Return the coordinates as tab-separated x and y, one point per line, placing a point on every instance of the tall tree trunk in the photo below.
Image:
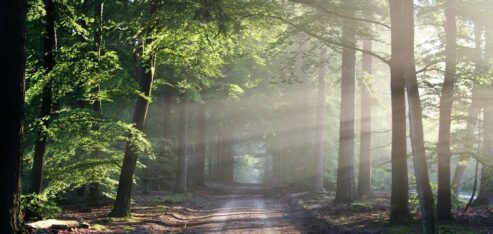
485	195
318	185
399	201
364	176
345	171
167	111
201	144
444	200
49	45
121	207
12	65
145	73
405	11
95	192
181	166
472	117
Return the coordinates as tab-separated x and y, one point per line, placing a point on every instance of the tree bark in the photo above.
427	206
121	207
145	72
12	66
318	185
485	195
472	117
95	192
364	176
49	45
444	200
399	201
201	144
345	192
181	166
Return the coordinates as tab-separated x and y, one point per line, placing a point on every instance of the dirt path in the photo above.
233	212
243	214
216	209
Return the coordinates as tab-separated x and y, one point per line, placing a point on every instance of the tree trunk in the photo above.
12	65
49	45
364	176
345	192
472	117
95	193
145	73
399	201
318	185
444	201
181	166
485	195
201	144
124	192
405	11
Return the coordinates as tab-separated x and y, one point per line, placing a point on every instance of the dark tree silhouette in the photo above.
12	66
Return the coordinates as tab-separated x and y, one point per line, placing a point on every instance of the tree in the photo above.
181	165
145	72
405	10
399	200
364	176
12	66
345	170
200	144
485	195
320	130
472	115
444	201
49	46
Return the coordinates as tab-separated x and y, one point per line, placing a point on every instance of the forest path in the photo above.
247	209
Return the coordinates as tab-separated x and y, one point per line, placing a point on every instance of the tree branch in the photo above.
327	11
321	38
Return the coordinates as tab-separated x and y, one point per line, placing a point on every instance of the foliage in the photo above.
39	207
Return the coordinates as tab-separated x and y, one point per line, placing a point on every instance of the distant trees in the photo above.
320	130
201	122
181	164
364	175
12	67
485	195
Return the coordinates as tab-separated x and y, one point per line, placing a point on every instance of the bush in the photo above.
38	207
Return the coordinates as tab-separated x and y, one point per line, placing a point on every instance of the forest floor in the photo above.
260	209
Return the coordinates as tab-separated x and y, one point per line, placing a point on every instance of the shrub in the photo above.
39	207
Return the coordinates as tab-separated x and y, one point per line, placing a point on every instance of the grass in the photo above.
177	197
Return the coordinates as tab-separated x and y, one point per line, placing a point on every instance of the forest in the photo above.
246	116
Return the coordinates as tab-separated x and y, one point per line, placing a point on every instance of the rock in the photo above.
53	224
